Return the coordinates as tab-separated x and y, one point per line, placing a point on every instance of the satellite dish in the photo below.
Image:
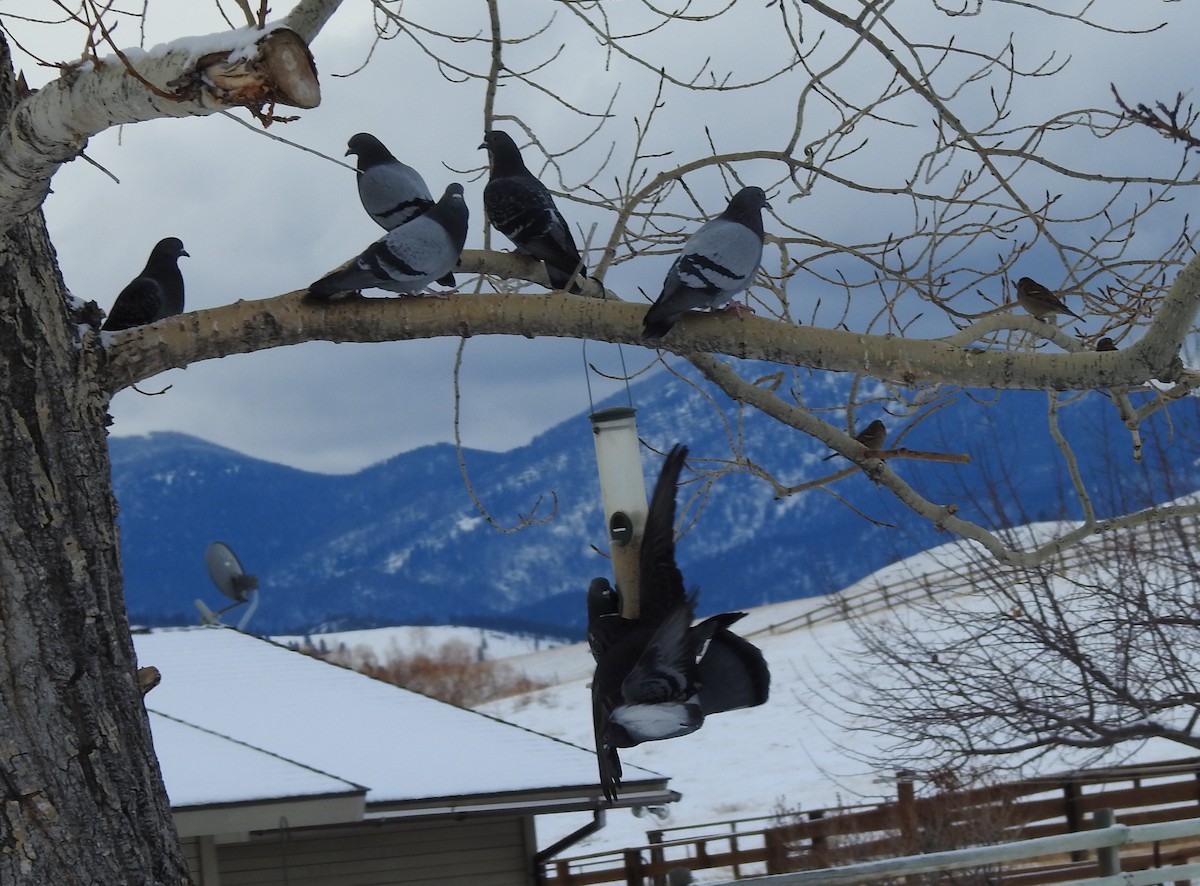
226	572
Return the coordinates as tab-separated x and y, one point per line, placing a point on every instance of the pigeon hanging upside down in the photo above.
155	293
658	676
522	209
409	258
716	264
391	193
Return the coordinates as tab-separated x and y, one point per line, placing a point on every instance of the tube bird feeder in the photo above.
623	493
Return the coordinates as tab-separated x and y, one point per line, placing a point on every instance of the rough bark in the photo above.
81	796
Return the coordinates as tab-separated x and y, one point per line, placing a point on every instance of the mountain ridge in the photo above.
401	541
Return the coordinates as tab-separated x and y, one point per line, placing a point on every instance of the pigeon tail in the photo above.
658	323
560	278
733	674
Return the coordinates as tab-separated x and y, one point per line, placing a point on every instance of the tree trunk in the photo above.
82	797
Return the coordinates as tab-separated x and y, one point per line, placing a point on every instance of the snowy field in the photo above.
489	645
741	764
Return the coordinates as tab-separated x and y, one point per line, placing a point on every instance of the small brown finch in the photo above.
871	437
1040	301
148	678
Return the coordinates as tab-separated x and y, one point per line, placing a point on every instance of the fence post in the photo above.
906	808
820	841
736	850
654	838
563	870
1108	858
634	868
776	848
1072	813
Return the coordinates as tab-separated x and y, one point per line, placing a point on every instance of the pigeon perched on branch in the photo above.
155	293
717	263
391	192
409	258
522	209
1040	301
658	676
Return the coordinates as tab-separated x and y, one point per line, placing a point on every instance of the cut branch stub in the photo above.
281	72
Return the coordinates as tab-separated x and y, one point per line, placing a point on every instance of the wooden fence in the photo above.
1000	813
1104	840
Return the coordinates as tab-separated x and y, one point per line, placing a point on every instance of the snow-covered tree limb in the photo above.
190	77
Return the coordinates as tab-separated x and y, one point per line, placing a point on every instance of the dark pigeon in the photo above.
522	209
409	258
155	293
717	263
658	676
391	192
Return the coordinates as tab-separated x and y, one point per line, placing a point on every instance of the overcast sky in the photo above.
260	218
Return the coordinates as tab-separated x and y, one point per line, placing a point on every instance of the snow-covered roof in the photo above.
237	718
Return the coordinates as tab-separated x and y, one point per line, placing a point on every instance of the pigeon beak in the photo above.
185	252
348	153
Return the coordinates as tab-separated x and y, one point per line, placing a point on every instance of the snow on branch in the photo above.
254	67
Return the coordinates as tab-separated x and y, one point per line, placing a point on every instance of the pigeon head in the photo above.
602	599
452	214
368	149
169	248
506	156
746	207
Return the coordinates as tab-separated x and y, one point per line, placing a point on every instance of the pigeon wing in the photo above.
716	263
666	670
662	588
139	302
393	193
409	257
523	210
719	259
733	674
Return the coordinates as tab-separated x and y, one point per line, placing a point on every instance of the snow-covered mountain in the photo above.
402	541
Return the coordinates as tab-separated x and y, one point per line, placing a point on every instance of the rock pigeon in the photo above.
391	192
1040	301
871	437
717	263
155	293
659	676
408	258
522	209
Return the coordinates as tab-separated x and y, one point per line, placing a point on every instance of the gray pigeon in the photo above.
659	676
522	209
717	262
408	258
155	293
391	192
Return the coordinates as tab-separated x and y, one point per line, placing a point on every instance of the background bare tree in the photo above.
909	123
997	667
